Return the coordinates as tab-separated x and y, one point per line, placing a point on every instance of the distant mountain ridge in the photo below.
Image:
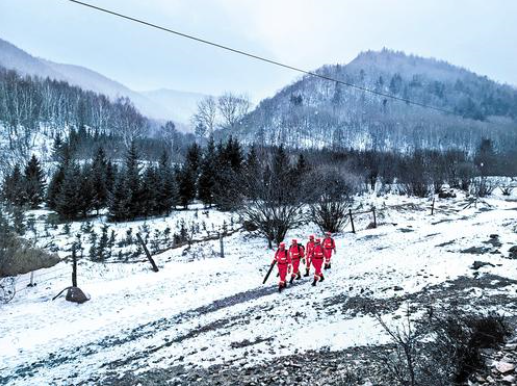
317	112
160	104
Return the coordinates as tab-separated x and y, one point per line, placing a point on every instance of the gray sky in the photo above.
480	35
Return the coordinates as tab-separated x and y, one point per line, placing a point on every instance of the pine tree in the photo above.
207	178
54	187
70	193
86	193
166	192
120	200
133	181
13	187
186	185
148	192
98	178
34	183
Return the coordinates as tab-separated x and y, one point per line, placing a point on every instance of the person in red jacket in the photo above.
329	246
296	253
317	261
309	249
283	261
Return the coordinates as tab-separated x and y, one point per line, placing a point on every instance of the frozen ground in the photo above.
200	312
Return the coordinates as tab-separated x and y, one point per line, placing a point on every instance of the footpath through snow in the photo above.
215	311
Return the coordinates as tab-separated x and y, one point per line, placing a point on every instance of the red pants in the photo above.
328	254
282	270
296	266
317	262
308	262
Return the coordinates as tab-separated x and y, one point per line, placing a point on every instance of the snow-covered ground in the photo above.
199	312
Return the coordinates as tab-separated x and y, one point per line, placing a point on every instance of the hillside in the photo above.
316	112
160	104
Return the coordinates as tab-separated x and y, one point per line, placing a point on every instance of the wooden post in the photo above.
374	217
351	220
32	284
74	267
149	257
221	242
432	207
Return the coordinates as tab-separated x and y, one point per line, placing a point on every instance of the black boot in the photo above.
298	276
292	279
280	287
306	273
322	278
314	282
329	265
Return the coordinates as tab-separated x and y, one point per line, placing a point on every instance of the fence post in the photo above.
351	220
374	217
32	284
432	207
149	257
221	242
74	267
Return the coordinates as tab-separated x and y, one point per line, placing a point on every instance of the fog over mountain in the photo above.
160	104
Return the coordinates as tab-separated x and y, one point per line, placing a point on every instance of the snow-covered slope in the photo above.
198	312
162	104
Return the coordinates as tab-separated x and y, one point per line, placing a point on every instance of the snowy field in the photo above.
200	311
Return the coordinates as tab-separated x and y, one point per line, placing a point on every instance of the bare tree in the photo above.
129	123
232	108
205	117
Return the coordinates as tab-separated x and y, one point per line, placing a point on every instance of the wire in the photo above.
261	58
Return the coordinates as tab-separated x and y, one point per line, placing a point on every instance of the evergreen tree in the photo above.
13	187
166	192
54	187
133	182
98	178
69	197
120	200
186	185
207	178
86	192
486	158
34	183
148	193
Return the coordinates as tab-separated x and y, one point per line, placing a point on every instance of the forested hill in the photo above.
317	112
37	112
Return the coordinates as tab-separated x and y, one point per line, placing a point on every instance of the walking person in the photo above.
296	253
317	261
309	250
329	246
283	261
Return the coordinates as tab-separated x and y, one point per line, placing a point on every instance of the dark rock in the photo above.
76	295
479	264
476	250
513	252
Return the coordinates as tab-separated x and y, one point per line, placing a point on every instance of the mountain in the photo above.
317	112
160	104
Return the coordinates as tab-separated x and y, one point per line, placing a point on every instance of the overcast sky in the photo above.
477	34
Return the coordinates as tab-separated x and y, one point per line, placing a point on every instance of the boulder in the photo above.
76	295
513	252
479	264
504	367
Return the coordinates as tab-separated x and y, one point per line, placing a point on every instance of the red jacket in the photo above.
318	251
282	257
309	250
296	252
328	243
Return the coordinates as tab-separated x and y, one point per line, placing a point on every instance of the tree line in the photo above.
270	187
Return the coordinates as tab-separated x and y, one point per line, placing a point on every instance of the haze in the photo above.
475	34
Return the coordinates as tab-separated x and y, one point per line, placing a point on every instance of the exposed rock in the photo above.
504	367
76	295
476	250
513	252
479	264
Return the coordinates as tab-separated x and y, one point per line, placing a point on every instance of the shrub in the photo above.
17	256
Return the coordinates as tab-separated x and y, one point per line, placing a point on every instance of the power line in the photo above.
257	57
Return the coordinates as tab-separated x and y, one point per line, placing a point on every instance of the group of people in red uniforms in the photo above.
316	253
